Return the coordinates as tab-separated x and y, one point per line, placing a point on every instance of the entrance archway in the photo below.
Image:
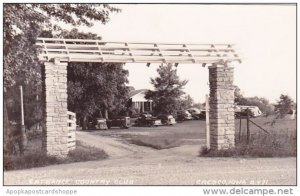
56	53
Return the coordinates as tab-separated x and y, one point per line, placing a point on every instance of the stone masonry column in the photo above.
221	104
55	131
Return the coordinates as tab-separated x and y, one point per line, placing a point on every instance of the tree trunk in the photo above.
100	114
7	145
6	131
84	123
106	113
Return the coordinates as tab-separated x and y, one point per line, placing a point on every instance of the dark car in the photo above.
134	117
167	119
197	114
202	115
182	115
119	121
98	123
148	120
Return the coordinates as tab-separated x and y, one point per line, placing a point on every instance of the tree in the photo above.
262	103
284	105
22	24
238	96
185	102
199	105
95	89
32	104
168	90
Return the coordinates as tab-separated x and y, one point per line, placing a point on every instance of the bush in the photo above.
86	153
260	145
37	158
29	160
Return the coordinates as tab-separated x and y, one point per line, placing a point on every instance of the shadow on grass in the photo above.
154	142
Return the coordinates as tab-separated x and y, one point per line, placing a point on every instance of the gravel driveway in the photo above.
129	164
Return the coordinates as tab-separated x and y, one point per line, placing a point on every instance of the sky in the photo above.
265	36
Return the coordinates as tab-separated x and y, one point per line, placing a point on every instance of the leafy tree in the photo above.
168	90
199	105
262	103
22	24
185	102
284	105
238	96
32	104
95	89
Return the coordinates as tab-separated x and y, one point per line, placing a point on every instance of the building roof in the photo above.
135	92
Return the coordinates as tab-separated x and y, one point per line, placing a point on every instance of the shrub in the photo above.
260	145
37	158
29	160
86	153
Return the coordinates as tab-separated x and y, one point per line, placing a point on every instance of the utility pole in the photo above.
23	134
207	122
22	106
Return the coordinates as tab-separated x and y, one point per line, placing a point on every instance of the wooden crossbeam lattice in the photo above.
81	50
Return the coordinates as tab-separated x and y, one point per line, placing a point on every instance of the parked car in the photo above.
197	114
167	119
252	111
119	121
148	120
98	123
182	115
202	115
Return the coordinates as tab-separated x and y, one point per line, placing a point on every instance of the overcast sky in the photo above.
265	35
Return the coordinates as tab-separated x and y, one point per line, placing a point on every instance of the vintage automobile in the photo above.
133	118
182	115
167	119
196	113
251	111
98	123
119	121
147	120
202	115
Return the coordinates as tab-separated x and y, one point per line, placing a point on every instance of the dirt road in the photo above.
129	164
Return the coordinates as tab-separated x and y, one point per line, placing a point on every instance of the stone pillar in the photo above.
55	132
221	103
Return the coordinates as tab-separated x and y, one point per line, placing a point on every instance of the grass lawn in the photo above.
282	135
162	137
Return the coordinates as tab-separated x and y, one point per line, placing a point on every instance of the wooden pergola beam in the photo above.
80	50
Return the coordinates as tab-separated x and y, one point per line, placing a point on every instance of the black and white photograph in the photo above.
98	94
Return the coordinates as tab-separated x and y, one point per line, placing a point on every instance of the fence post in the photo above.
207	122
248	129
240	130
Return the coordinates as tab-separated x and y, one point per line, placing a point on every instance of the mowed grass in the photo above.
280	142
162	137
